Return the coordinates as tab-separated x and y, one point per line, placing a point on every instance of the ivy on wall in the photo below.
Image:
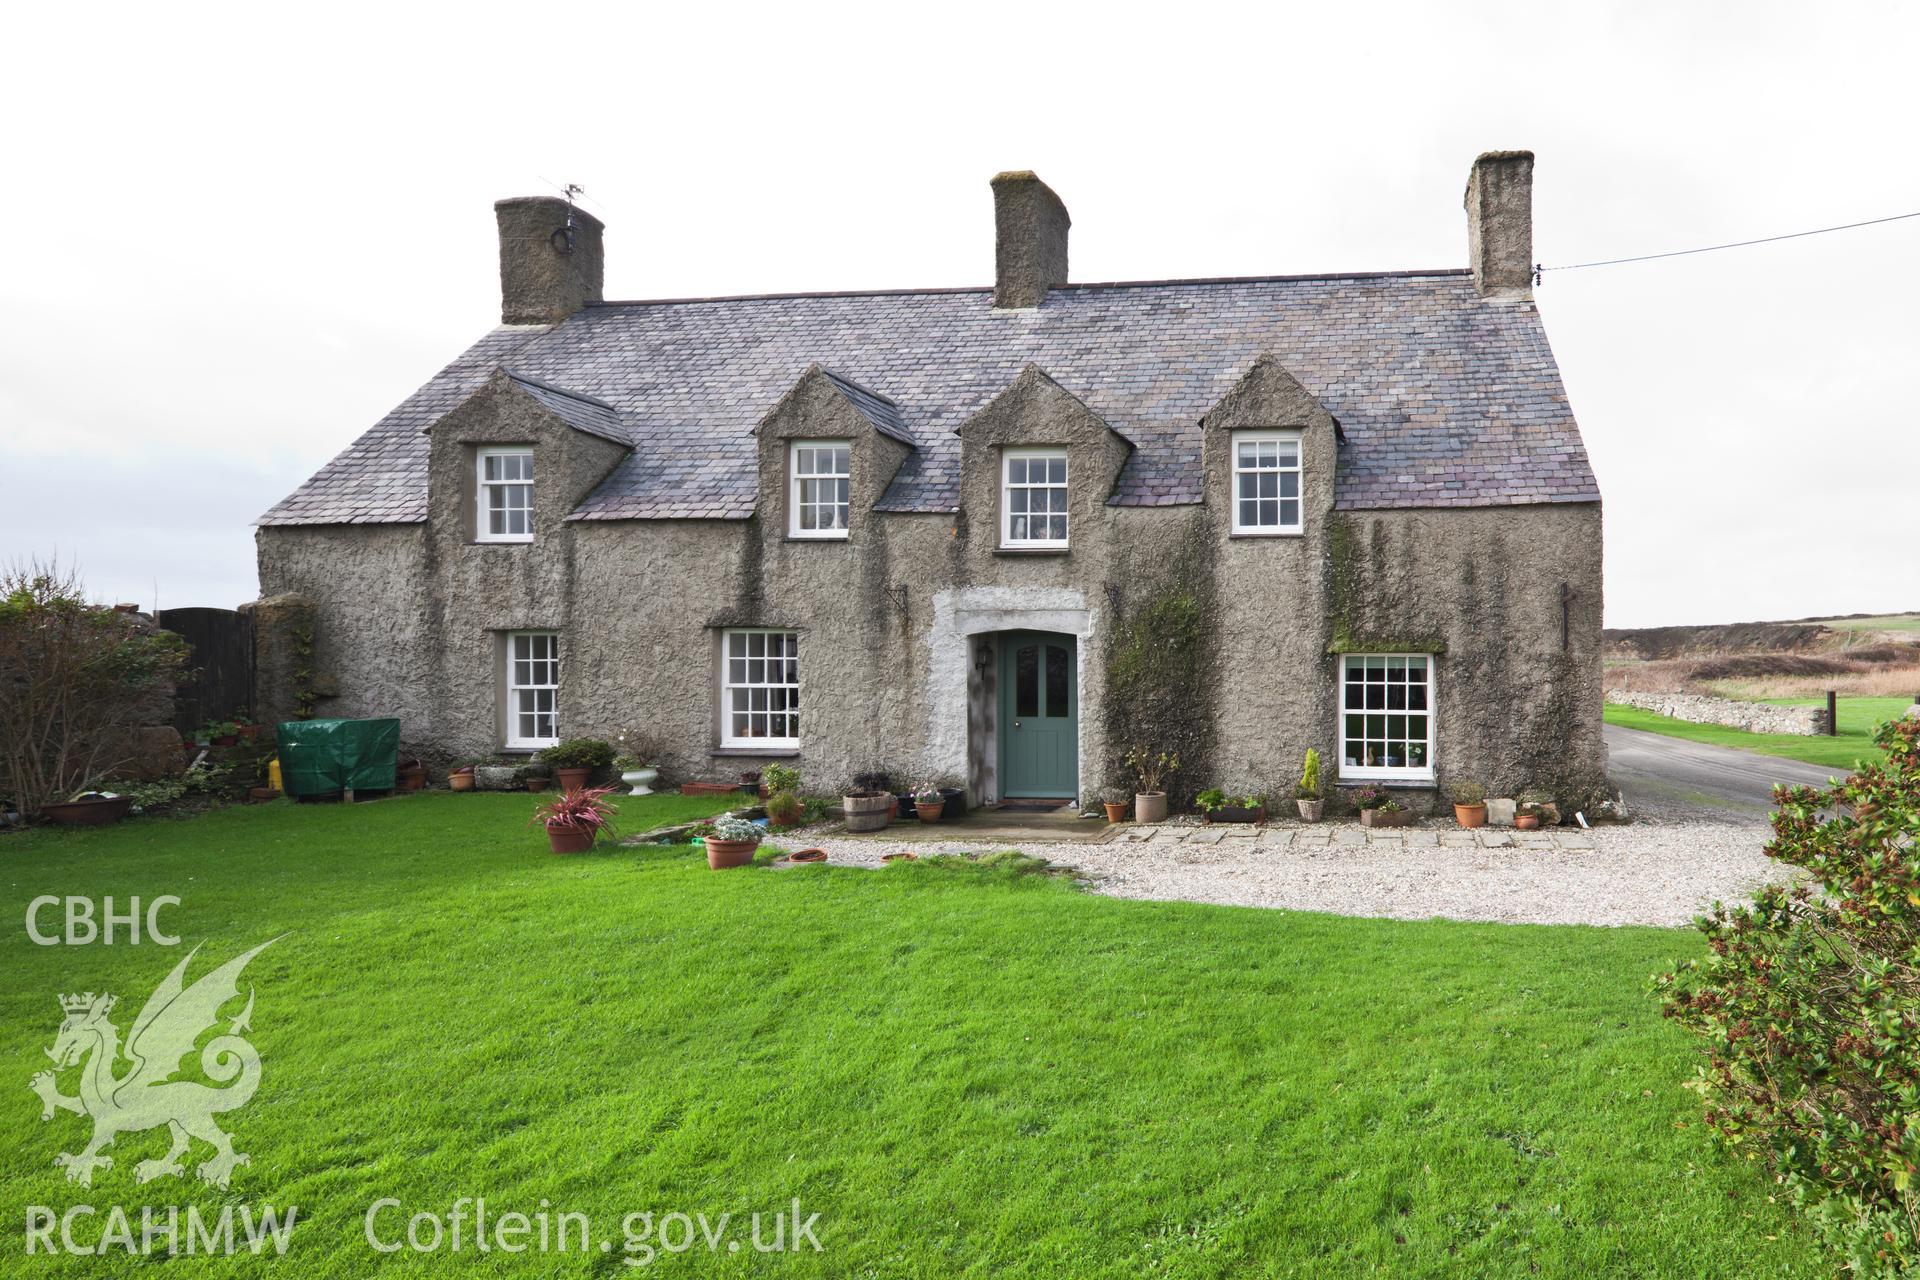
1160	679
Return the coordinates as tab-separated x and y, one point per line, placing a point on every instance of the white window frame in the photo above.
482	487
1384	773
1008	486
784	691
1278	436
795	478
515	687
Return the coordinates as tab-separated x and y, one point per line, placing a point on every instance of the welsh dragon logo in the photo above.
146	1097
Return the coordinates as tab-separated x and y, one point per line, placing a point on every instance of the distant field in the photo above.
1858	719
1857	715
1886	622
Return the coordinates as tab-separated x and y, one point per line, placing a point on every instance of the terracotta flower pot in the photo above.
572	779
1470	815
227	740
260	795
1116	810
722	854
1150	806
538	784
252	731
929	812
94	811
460	781
1526	821
570	839
908	856
808	855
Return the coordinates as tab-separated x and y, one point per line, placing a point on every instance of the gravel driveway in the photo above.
1642	873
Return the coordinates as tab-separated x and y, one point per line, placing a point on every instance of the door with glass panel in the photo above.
1039	721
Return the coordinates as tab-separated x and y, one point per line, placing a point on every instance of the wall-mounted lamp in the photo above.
982	658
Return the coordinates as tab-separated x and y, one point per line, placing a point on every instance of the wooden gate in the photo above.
220	678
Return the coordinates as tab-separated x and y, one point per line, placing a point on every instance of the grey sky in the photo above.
238	236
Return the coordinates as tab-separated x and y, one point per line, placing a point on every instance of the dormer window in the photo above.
1266	482
505	494
1033	499
820	479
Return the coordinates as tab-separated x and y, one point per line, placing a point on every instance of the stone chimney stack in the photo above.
1500	224
1029	240
549	267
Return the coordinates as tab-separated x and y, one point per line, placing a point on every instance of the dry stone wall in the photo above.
1754	717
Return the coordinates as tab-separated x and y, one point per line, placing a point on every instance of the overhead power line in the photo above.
1736	244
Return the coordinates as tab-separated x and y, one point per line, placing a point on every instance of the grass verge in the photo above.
963	1070
1841	753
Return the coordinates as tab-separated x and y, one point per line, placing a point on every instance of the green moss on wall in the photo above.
1365	613
1161	659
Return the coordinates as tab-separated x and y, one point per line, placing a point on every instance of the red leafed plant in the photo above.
1809	1003
583	810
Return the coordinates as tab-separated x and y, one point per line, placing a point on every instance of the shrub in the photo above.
1309	788
1150	769
872	783
1468	793
779	779
579	753
785	809
75	678
584	810
732	828
1809	1003
1370	798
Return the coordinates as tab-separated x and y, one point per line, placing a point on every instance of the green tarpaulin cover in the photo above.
320	757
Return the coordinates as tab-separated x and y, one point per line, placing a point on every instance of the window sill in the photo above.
501	542
757	753
837	540
1031	551
1407	781
512	749
1268	533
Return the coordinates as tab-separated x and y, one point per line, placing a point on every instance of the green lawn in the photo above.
1885	622
964	1071
1858	719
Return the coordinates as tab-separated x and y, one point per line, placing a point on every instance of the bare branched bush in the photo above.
75	679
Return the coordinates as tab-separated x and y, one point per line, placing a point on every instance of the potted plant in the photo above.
638	762
1543	806
537	774
1469	804
574	819
929	803
409	775
869	803
574	760
1115	803
1150	770
1527	817
1378	809
1216	805
731	843
1306	796
461	778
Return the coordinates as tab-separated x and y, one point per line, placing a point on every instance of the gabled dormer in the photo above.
827	452
1035	464
511	461
1270	455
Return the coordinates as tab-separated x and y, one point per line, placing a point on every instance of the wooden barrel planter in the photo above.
868	813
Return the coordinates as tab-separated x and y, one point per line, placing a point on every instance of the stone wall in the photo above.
1754	717
407	618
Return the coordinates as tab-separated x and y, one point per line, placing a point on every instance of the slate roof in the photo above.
883	413
583	413
1446	399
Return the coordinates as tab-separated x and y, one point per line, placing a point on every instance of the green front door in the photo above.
1039	716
